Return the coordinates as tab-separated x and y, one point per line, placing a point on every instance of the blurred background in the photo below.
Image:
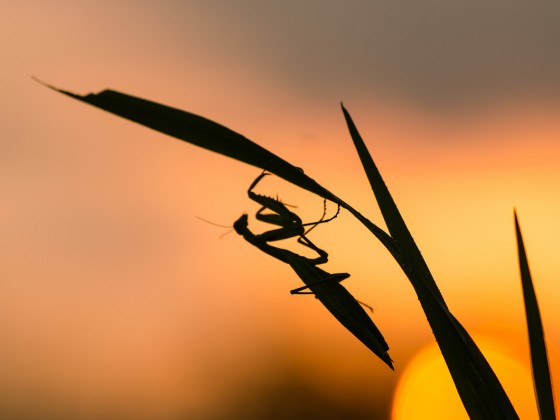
117	302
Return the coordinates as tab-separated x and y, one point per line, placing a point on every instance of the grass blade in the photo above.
393	219
480	390
199	131
212	136
207	134
539	360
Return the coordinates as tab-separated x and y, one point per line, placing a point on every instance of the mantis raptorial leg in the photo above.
290	223
325	286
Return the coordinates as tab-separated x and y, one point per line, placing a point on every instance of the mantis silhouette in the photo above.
325	286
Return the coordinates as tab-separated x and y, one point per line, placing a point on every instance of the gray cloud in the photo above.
432	51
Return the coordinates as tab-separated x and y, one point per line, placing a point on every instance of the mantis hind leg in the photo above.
323	256
337	278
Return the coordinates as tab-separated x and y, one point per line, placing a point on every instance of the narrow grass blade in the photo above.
212	136
539	360
199	131
480	390
393	219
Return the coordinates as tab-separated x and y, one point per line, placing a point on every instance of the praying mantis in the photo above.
325	286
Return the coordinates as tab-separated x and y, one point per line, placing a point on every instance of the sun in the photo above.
426	391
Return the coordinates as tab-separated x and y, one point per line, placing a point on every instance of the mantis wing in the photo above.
345	308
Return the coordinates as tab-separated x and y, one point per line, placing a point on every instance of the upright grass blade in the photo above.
391	215
480	390
539	360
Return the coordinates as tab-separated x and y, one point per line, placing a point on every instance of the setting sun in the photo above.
426	390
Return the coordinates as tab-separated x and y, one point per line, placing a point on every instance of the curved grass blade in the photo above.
539	360
199	131
480	390
207	134
212	136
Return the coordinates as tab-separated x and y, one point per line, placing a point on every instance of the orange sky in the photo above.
115	300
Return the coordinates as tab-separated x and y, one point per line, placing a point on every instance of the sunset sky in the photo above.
116	301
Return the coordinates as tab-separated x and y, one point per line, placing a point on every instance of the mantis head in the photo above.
241	224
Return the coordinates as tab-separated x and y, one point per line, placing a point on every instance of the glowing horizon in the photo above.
113	293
